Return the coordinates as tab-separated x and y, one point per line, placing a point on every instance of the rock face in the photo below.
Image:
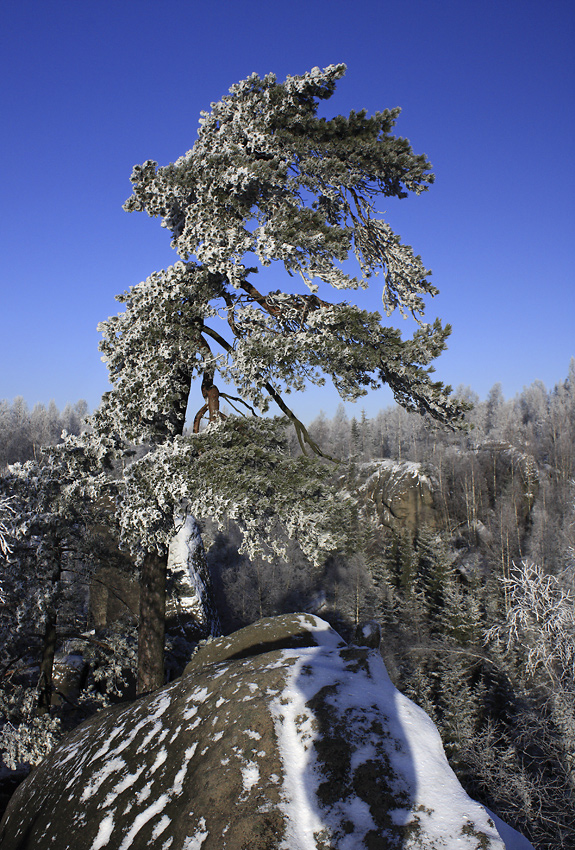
189	599
115	591
402	493
279	736
507	462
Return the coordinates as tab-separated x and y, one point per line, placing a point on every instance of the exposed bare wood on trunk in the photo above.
211	395
198	418
303	303
301	431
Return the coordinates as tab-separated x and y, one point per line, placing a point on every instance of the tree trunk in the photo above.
152	625
49	645
47	665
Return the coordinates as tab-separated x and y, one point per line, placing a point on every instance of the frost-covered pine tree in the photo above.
267	182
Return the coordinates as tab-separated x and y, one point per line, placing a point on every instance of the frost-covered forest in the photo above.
23	432
471	578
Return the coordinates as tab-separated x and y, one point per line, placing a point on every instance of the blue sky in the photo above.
487	91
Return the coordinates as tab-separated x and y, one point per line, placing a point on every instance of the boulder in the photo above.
278	736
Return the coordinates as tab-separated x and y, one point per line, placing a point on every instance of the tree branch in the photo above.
301	431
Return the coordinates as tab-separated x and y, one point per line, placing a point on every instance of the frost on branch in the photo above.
153	349
25	738
52	502
7	514
55	505
541	620
238	469
268	176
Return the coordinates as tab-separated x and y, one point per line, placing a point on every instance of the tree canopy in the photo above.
269	180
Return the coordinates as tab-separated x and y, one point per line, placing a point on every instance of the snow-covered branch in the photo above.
540	620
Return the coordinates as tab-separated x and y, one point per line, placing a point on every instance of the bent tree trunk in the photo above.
152	626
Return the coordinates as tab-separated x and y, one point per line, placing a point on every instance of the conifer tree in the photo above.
266	180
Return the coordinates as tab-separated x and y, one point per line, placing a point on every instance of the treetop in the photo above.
267	176
270	181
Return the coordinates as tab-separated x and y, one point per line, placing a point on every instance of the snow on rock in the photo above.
189	584
278	737
115	593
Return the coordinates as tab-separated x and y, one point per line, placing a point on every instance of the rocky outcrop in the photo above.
189	603
279	736
517	470
402	493
115	591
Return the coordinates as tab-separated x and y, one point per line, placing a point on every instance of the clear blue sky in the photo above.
91	88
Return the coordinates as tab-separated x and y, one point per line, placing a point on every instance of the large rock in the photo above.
115	590
189	600
402	493
279	736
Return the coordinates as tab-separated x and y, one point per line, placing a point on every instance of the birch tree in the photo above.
268	185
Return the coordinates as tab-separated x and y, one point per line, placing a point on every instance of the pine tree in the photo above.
266	177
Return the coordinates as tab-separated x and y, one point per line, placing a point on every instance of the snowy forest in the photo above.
472	583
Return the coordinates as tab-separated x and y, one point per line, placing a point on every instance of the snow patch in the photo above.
194	842
250	777
144	793
104	832
413	746
123	785
181	774
252	734
142	819
162	825
161	758
113	766
303	817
